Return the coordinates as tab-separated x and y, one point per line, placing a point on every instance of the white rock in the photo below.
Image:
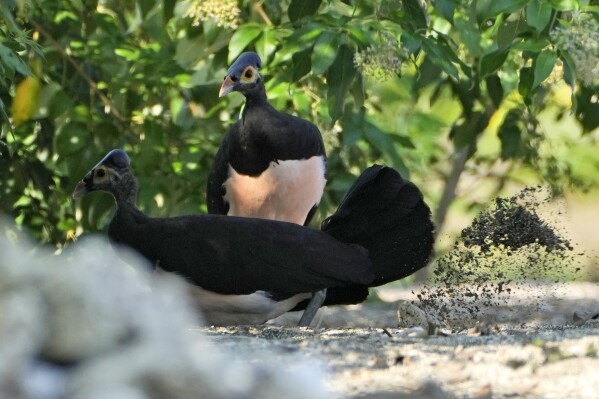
89	309
43	381
410	315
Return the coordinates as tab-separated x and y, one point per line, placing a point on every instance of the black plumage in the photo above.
387	216
235	258
257	148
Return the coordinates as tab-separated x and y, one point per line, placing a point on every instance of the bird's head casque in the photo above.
243	75
104	175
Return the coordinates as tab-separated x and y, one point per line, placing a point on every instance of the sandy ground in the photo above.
534	346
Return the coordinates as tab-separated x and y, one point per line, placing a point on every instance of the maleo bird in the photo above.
270	165
250	270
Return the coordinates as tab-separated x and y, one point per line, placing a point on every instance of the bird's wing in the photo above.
310	215
241	255
219	173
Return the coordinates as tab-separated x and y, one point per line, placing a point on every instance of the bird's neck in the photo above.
126	198
127	212
125	192
126	222
256	97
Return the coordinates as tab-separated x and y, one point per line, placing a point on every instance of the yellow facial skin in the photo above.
101	175
249	75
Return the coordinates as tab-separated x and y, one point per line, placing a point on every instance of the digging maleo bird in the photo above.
250	270
270	164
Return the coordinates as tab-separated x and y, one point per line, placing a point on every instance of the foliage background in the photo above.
466	98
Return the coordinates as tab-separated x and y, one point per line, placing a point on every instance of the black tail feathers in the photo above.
387	215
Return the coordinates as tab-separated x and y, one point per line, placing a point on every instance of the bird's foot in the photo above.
316	301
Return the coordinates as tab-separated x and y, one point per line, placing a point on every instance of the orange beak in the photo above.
80	190
226	87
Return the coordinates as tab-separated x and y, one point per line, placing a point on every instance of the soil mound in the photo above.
508	247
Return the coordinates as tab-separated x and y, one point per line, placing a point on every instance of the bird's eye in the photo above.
100	173
249	73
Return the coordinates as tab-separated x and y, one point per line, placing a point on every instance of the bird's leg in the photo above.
316	301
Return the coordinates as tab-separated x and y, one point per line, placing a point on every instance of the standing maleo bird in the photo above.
270	165
250	270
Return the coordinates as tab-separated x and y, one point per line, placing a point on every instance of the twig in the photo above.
260	10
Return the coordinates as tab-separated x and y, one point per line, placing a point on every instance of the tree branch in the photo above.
449	194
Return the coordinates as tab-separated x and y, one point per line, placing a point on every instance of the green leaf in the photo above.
525	82
339	79
5	119
13	62
189	50
497	7
492	61
444	43
564	5
308	33
382	141
440	55
404	141
128	54
351	123
495	89
47	96
569	69
467	93
427	73
411	43
587	111
510	30
241	38
416	13
445	8
266	44
194	49
301	8
61	104
357	34
543	66
570	76
531	45
72	138
145	6
469	34
467	132
274	10
357	91
168	9
538	15
325	51
510	135
211	30
301	64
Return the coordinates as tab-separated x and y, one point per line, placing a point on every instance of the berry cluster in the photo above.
380	61
224	13
581	40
